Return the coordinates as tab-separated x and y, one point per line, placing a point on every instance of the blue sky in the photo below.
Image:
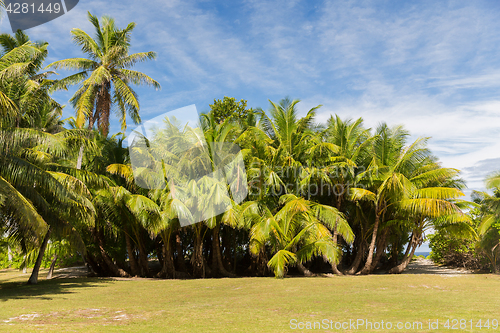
432	66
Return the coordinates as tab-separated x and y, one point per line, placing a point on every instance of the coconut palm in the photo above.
489	228
298	232
397	179
105	77
353	142
41	200
23	81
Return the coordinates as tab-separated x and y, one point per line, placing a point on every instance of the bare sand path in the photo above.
427	266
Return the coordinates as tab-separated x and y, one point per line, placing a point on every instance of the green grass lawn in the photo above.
243	304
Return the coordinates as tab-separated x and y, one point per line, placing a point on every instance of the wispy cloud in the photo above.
432	66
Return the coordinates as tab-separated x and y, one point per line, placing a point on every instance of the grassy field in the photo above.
245	304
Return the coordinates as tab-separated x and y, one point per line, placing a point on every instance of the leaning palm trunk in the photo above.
34	274
334	263
110	265
368	264
357	260
381	245
303	270
52	266
408	256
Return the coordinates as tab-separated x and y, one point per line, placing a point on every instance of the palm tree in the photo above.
23	83
105	76
297	232
396	181
41	201
488	231
353	142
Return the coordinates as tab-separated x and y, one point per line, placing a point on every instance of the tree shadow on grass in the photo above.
47	288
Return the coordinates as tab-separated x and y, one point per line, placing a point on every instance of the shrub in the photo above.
453	251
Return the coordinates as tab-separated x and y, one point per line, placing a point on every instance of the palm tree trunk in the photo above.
381	245
335	238
181	264
116	271
143	254
407	258
134	268
169	259
34	274
168	267
357	260
217	265
368	264
197	259
104	107
303	270
52	266
335	269
110	265
9	254
80	158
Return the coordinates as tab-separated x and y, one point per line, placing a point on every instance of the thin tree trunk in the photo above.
197	258
181	264
217	265
169	258
304	271
115	270
134	268
52	266
371	249
80	158
407	258
159	250
168	267
235	257
104	106
381	245
357	260
335	269
90	269
34	274
261	263
93	263
143	260
9	254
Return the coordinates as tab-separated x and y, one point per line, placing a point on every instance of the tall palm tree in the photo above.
105	77
353	142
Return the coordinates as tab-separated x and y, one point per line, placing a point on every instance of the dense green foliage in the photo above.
334	197
479	249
